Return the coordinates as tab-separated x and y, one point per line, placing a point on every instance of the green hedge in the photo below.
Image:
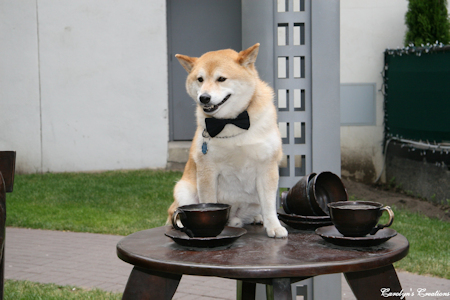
417	94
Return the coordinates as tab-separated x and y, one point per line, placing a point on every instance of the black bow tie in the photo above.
215	126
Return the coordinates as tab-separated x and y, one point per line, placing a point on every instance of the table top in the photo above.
254	255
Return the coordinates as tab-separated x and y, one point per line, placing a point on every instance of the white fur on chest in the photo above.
237	162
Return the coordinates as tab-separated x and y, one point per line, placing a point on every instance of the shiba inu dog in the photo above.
236	149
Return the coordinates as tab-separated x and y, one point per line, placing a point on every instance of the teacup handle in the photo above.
182	215
389	223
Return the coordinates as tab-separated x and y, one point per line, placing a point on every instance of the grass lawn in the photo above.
429	239
118	202
123	202
26	290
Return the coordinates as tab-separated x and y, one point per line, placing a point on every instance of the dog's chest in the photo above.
237	164
237	174
245	155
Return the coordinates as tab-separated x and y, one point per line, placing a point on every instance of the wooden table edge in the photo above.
261	272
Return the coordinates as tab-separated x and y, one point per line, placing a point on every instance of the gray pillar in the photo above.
307	97
325	86
326	146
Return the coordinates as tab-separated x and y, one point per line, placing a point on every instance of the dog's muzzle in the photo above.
208	108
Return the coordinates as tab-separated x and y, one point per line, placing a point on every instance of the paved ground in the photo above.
89	260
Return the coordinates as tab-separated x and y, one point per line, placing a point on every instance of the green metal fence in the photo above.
417	93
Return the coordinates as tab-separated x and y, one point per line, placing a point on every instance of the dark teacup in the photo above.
311	194
201	220
358	218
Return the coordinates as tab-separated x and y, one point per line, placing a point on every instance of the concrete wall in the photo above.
83	84
367	29
19	83
420	172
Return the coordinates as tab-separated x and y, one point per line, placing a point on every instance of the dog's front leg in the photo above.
207	186
267	184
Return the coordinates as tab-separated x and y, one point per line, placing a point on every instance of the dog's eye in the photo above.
221	79
200	79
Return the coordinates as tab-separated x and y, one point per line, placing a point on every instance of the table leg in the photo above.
368	285
245	290
145	285
277	288
282	289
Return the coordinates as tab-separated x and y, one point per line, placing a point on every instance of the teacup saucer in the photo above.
332	235
294	217
303	222
226	237
305	225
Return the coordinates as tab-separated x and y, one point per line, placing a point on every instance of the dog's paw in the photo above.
277	232
258	219
235	222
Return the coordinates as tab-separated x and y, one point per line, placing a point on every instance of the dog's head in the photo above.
222	82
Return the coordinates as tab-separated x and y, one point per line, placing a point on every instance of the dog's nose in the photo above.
205	98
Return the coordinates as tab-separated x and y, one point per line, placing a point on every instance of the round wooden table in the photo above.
255	258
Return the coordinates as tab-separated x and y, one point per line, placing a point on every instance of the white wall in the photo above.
83	84
367	28
19	83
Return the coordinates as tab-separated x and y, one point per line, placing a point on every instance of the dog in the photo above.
237	147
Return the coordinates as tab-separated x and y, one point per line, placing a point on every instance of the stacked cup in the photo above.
311	195
305	205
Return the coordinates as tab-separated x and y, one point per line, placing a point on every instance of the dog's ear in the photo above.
186	61
248	56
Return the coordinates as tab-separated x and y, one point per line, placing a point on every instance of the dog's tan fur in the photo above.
241	166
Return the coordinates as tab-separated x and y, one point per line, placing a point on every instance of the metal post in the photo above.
303	54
